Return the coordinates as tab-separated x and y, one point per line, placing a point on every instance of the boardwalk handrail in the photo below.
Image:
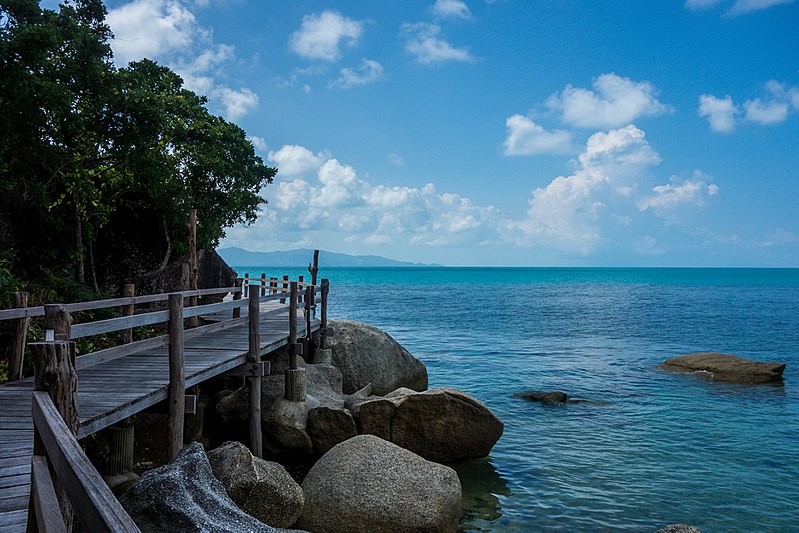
91	499
25	312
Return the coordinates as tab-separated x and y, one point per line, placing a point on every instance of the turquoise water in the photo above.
652	448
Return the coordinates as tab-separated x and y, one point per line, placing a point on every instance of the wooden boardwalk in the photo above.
110	391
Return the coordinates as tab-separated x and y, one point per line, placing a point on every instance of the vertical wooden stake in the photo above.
19	339
263	284
323	324
237	296
246	286
285	288
292	324
272	286
314	267
295	377
58	320
307	353
177	383
55	373
128	310
300	279
193	266
254	383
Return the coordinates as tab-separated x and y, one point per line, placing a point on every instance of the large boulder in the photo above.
726	367
262	489
184	495
367	484
366	355
328	426
441	425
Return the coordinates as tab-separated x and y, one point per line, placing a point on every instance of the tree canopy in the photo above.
98	163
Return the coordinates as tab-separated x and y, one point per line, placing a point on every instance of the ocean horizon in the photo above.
648	447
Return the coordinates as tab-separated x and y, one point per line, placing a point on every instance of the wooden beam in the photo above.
248	370
128	310
45	502
177	389
237	296
254	382
19	339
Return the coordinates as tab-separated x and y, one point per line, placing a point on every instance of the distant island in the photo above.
301	257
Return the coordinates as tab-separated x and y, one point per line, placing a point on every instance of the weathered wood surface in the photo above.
108	392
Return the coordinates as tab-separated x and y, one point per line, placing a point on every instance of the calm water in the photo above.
654	447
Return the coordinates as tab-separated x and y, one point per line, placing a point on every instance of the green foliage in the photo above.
98	164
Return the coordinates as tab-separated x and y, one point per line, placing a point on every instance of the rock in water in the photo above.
544	397
184	495
679	528
725	367
367	484
262	489
366	355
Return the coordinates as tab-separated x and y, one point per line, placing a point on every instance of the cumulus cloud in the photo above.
615	101
258	142
168	31
701	4
667	200
321	35
451	9
294	161
369	71
525	137
719	112
739	7
773	108
425	43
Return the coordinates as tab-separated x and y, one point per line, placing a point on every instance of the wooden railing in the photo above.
79	489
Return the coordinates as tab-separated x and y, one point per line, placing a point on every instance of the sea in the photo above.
649	447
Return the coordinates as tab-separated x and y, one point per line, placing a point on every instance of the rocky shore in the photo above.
376	437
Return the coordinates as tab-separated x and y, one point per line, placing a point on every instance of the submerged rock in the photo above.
184	495
544	397
367	355
262	489
367	484
679	528
726	367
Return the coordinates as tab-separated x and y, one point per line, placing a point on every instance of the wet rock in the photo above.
726	367
366	355
367	484
262	489
679	528
184	495
544	397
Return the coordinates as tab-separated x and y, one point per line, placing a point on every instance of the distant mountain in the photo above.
302	257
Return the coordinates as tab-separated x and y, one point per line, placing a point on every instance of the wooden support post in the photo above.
285	287
193	265
246	285
314	267
323	324
55	373
254	382
263	284
295	377
120	447
177	384
308	342
237	296
299	285
128	310
19	339
272	286
58	321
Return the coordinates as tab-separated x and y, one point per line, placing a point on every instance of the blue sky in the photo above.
504	132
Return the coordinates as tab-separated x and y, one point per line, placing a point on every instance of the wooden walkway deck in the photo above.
112	390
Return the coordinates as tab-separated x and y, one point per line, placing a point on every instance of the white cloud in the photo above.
667	199
525	137
321	35
766	112
395	159
615	101
168	31
258	142
293	160
745	6
779	237
369	71
701	4
451	9
427	46
720	112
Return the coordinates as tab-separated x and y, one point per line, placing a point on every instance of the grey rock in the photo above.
679	528
183	496
374	417
726	367
262	489
367	484
328	426
366	355
544	397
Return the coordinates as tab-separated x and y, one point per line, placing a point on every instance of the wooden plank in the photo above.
13	521
45	502
176	377
116	324
208	309
95	505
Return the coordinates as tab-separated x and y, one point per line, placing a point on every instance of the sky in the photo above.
503	132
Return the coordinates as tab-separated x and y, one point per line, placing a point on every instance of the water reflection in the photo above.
482	487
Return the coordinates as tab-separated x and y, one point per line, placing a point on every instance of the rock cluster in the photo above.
726	367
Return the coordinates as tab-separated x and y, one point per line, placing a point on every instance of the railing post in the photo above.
128	292
57	322
314	267
308	344
295	377
19	340
177	383
285	287
246	285
323	324
300	279
263	284
55	373
254	382
237	296
272	286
